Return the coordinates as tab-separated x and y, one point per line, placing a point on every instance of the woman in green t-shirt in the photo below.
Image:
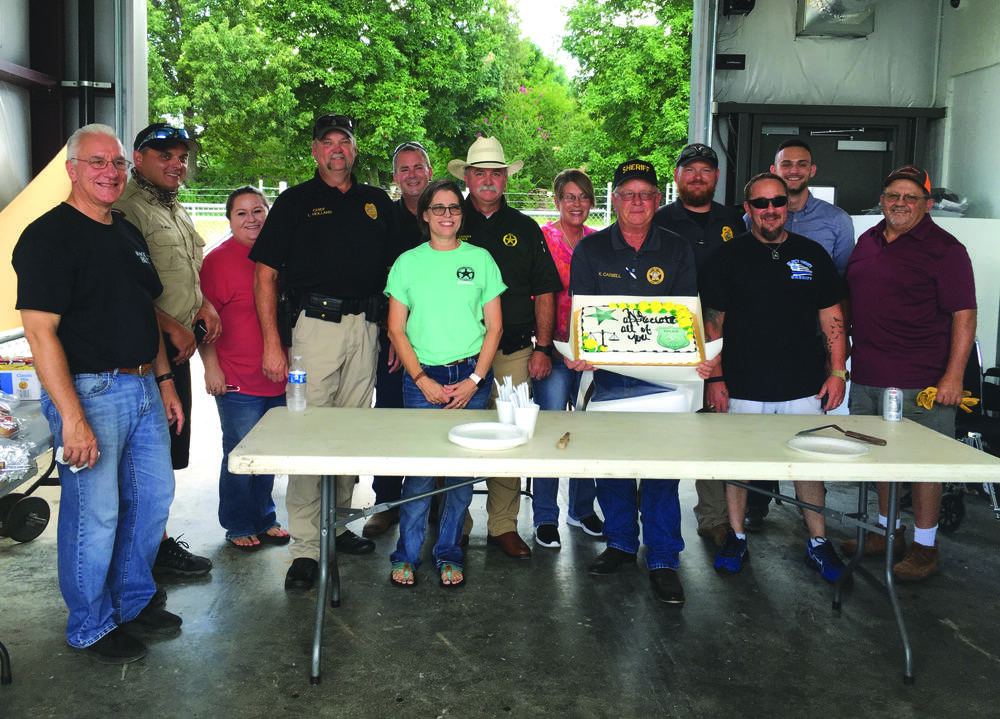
445	325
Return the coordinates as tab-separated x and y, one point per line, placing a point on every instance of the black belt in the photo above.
331	309
516	338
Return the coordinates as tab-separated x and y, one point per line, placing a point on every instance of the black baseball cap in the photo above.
161	136
697	151
334	121
631	169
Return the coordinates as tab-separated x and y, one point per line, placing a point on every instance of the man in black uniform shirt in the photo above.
529	306
411	170
333	238
706	225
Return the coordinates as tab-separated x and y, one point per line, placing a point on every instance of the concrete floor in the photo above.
524	638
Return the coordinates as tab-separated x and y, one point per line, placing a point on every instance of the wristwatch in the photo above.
476	379
546	350
842	373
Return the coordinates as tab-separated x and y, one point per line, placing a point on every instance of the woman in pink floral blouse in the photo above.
574	198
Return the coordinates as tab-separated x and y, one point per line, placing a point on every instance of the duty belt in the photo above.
332	309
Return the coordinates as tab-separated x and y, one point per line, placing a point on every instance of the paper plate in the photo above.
487	435
829	447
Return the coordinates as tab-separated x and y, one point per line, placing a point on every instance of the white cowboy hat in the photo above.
485	152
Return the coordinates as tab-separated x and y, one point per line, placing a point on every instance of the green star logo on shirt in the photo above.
601	314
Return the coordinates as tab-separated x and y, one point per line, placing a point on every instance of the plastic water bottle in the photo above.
295	393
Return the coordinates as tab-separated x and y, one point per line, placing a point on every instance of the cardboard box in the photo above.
18	377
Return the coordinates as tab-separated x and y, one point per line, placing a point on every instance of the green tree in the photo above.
252	75
635	62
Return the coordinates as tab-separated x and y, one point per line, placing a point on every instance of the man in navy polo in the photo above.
635	257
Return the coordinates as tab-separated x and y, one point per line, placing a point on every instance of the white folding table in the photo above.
328	441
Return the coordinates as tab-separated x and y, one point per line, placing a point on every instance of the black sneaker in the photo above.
302	574
667	586
591	525
547	535
350	543
115	647
754	519
154	622
174	558
159	599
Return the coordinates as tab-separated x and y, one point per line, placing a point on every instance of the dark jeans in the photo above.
389	395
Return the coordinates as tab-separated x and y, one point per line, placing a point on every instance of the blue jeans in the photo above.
455	502
111	517
554	393
661	508
245	504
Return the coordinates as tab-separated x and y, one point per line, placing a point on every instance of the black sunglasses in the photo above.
692	151
761	203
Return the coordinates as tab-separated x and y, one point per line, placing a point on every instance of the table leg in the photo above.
848	573
890	584
327	556
5	675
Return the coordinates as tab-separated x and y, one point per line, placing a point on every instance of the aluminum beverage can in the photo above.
892	404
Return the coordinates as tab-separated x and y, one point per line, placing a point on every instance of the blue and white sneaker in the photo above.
733	553
825	560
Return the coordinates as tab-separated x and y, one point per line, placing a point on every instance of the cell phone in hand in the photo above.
200	330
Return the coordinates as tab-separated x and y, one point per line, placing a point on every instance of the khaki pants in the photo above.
339	359
711	510
503	499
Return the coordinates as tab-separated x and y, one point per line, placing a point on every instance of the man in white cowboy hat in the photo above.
529	310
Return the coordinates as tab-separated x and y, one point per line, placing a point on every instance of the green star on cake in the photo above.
601	314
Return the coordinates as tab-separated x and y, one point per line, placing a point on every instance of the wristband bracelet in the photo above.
420	374
164	377
715	379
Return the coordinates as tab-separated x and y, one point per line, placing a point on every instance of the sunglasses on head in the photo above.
403	147
693	151
164	133
761	203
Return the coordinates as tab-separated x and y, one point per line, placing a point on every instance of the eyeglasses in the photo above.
891	197
575	198
761	203
644	195
403	147
333	122
99	163
164	133
439	210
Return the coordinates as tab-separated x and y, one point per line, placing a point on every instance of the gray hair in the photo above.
95	128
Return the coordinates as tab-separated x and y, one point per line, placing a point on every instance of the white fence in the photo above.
210	217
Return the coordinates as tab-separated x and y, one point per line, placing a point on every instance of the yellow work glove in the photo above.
926	399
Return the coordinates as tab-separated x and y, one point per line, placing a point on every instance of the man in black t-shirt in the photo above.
764	291
706	225
85	289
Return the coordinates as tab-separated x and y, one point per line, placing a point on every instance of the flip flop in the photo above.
448	569
407	569
279	540
244	547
